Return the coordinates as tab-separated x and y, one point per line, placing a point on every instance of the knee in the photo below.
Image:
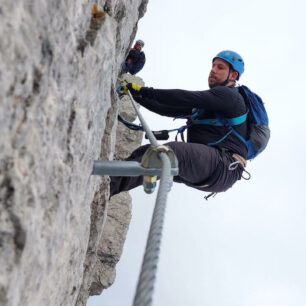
174	146
138	153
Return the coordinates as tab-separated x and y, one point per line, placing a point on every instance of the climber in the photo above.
208	161
135	59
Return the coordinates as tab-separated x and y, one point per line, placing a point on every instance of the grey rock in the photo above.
58	108
105	246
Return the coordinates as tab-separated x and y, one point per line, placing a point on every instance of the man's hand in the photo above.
133	88
124	87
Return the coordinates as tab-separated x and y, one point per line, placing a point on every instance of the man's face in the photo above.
218	73
138	47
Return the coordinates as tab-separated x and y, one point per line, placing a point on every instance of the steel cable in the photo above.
146	280
145	286
149	133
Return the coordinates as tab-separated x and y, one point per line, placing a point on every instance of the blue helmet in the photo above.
234	59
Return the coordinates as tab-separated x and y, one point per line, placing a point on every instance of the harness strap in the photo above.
240	160
180	131
221	121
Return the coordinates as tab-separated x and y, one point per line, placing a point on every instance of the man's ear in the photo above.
234	75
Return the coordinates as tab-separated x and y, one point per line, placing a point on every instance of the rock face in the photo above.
59	64
109	219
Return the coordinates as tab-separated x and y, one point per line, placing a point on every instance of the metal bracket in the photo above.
151	157
150	167
125	168
151	160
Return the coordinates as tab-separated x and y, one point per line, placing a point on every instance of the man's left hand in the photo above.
124	87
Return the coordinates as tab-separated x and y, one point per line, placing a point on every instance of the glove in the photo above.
124	87
133	88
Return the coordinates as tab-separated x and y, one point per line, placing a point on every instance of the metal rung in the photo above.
125	168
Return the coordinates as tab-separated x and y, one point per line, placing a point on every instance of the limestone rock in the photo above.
110	219
58	72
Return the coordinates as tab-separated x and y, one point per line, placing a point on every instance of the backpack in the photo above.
257	120
258	123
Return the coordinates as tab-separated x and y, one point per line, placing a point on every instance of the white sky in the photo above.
245	247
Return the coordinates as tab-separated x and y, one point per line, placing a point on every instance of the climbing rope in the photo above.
146	280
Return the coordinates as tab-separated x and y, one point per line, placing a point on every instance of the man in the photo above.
209	160
135	59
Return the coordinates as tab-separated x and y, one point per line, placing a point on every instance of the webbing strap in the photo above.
220	140
221	121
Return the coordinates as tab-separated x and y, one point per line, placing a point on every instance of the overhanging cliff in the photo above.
58	72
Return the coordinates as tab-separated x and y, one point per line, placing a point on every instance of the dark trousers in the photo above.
198	165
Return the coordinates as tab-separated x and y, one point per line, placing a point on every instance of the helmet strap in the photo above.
228	79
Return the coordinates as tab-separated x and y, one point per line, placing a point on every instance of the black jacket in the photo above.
219	101
135	61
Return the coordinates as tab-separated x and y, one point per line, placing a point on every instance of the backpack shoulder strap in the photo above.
222	121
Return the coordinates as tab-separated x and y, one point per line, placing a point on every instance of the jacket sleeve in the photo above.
161	109
210	100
